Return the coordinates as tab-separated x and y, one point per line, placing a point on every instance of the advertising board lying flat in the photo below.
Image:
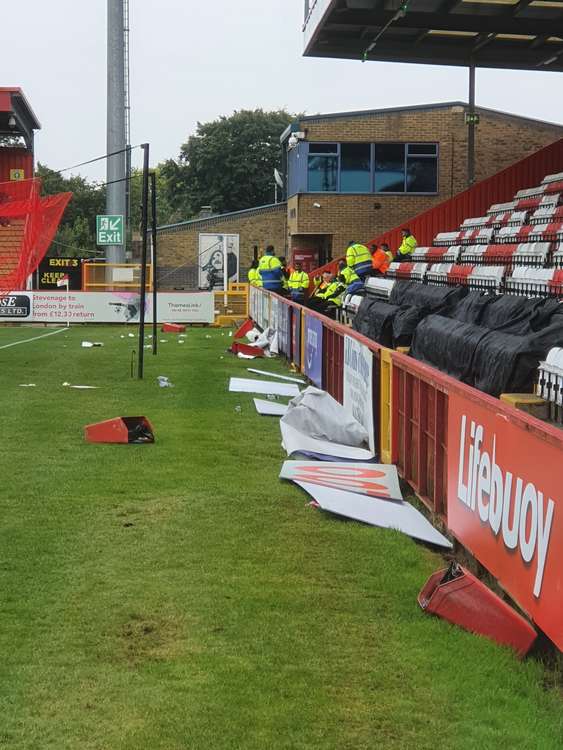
105	307
505	504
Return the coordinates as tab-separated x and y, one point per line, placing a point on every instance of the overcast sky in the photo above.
193	61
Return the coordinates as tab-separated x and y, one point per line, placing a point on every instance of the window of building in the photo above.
355	167
406	168
366	167
422	168
322	168
390	168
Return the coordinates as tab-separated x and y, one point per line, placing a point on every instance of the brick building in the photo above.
354	175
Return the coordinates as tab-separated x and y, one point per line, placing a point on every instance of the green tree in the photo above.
77	231
228	164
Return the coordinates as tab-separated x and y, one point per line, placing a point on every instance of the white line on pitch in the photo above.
35	338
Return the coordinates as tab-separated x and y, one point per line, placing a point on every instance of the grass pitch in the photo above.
179	596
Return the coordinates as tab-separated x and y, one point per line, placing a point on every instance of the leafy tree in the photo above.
228	164
77	231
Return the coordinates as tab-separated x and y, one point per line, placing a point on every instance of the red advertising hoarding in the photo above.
505	504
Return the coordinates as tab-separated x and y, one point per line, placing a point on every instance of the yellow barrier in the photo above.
230	306
385	405
114	277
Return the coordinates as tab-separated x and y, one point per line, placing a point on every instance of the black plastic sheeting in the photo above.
430	298
376	320
447	345
494	361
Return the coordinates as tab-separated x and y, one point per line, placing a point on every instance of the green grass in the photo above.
180	596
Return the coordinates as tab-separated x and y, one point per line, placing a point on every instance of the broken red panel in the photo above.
456	595
120	430
252	351
247	326
172	328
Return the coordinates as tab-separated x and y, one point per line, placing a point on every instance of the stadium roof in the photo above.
16	115
515	34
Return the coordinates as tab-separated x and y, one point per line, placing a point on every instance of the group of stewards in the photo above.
272	273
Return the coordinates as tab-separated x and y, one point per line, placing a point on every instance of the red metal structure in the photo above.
28	222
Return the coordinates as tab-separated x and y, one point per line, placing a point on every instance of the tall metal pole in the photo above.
116	130
144	233
154	265
471	127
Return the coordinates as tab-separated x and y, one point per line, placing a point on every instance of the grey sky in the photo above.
194	61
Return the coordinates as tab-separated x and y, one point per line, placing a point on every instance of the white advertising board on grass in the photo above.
400	516
358	384
105	307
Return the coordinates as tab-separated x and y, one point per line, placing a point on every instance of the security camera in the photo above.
12	122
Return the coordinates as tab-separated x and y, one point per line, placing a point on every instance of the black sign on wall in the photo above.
52	269
15	306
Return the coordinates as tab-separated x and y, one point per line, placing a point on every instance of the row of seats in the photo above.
517	254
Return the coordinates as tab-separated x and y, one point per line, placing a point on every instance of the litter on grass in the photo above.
164	382
247	385
269	408
27	385
375	480
90	344
294	441
80	387
131	335
275	375
400	516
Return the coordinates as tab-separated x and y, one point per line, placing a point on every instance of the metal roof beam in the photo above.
458	22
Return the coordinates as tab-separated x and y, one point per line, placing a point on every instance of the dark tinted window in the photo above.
422	175
323	148
390	168
355	167
322	174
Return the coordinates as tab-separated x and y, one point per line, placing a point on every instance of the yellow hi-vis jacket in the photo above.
408	246
349	275
298	280
254	277
358	258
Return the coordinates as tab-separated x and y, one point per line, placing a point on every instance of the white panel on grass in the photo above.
275	375
375	480
295	441
375	512
270	408
247	385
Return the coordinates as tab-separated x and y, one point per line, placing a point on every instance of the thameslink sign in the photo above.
505	504
109	229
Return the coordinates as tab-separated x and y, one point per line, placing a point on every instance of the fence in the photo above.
488	470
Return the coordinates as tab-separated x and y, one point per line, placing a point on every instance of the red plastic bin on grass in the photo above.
459	597
172	328
120	430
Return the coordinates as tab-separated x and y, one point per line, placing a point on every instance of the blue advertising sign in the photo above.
284	322
296	336
314	349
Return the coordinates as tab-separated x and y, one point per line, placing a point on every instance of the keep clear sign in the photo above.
358	384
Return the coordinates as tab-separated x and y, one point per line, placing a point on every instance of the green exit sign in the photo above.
472	119
109	229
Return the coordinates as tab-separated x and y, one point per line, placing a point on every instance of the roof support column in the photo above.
471	127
